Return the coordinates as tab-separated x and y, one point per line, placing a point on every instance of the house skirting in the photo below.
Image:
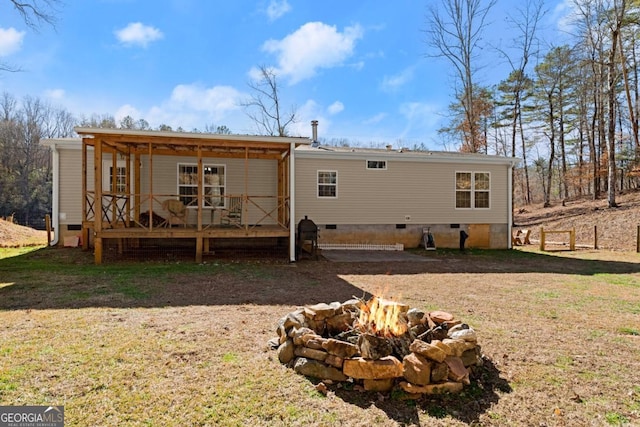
481	236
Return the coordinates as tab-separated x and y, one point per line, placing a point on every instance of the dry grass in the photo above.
177	344
14	236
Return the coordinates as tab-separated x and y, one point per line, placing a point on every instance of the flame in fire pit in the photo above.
383	317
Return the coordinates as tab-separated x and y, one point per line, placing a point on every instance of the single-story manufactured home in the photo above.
122	187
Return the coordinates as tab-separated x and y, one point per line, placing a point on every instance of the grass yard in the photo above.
180	344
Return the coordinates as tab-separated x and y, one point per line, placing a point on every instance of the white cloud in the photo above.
564	16
375	119
305	113
335	108
138	34
419	111
127	110
277	8
421	119
313	46
194	106
55	94
217	99
10	41
391	83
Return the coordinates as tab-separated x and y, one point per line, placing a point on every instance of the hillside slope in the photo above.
14	235
616	227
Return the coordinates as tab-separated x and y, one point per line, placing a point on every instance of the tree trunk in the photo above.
611	134
552	143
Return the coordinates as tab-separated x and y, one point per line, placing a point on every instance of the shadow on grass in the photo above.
467	406
54	278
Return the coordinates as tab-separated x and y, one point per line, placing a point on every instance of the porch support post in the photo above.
510	206
199	243
136	189
128	201
85	229
245	197
150	181
97	182
113	190
200	197
292	202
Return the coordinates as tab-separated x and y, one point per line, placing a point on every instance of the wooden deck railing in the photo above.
145	211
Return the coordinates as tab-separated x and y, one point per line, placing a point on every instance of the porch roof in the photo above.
189	143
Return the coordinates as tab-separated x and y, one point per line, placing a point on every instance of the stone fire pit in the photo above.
378	344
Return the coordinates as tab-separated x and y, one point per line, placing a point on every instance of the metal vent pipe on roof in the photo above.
314	131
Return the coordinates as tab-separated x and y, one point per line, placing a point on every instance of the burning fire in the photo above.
383	317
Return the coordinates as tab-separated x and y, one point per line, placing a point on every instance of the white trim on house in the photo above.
376	162
292	202
472	190
324	152
327	184
55	193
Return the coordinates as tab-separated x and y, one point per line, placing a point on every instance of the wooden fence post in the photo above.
572	239
595	237
542	238
638	240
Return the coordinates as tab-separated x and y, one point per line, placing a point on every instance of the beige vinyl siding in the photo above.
421	190
262	180
70	181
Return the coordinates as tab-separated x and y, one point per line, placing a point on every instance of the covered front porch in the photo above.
173	185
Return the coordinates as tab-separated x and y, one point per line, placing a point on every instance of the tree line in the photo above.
569	111
25	165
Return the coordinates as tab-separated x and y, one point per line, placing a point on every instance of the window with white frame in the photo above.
473	190
120	179
328	184
213	177
377	164
214	185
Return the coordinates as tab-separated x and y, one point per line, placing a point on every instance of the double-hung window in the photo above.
120	181
473	190
213	177
328	184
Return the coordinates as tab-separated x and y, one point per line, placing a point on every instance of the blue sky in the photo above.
359	67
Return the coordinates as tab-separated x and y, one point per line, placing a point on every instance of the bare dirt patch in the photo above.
150	343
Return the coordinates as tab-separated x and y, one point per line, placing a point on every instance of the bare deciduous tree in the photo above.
454	33
25	165
525	23
37	12
264	106
34	13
